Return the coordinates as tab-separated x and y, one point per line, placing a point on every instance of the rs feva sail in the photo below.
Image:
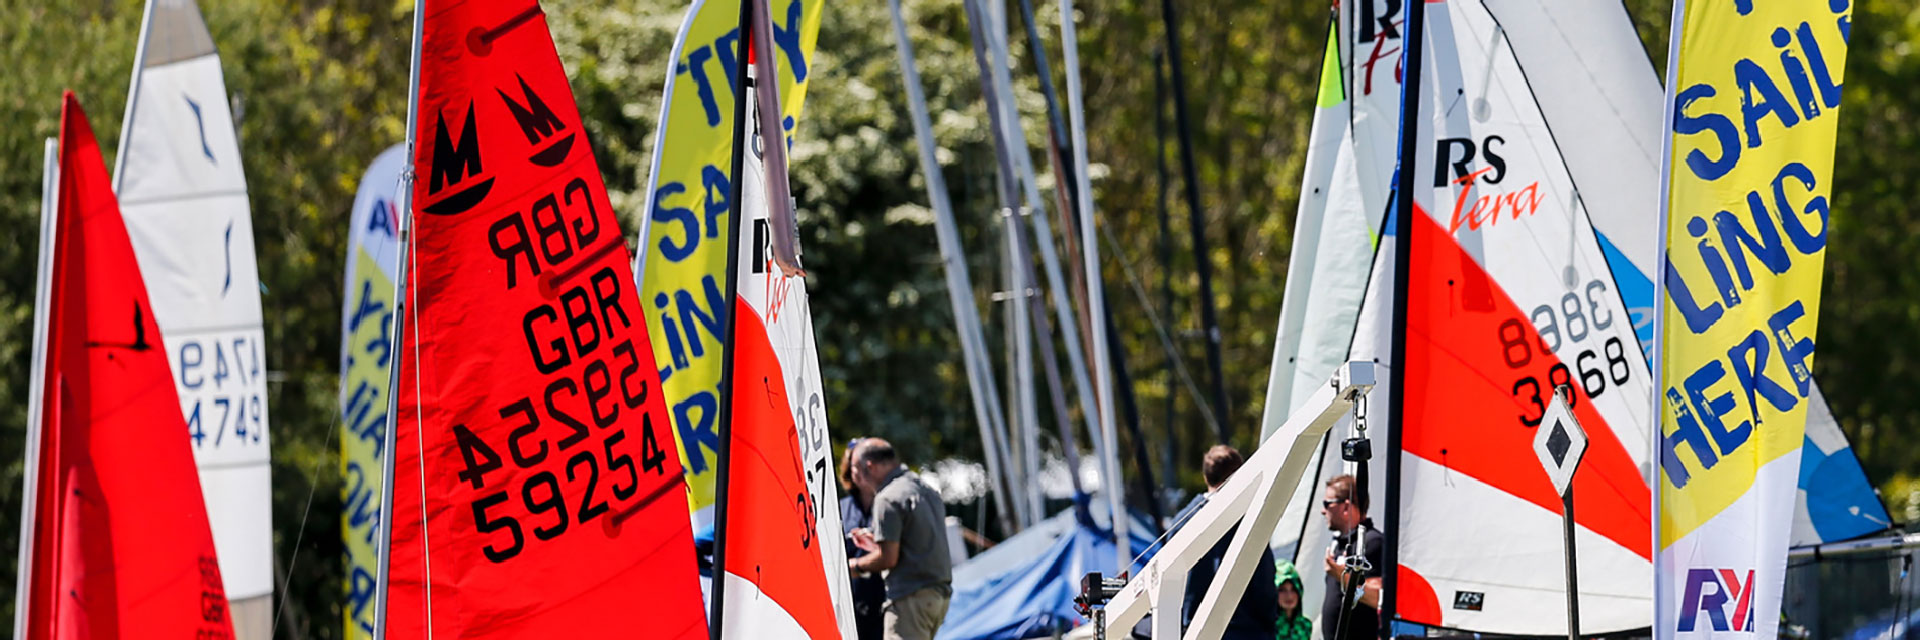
786	562
533	491
1604	99
114	532
184	194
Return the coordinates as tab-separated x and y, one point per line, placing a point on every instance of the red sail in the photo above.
533	494
772	542
121	545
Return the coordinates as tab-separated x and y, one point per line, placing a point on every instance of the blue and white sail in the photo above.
184	195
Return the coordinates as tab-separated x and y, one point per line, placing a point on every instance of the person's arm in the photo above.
886	558
1370	593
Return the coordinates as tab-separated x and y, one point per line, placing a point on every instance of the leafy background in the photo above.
318	88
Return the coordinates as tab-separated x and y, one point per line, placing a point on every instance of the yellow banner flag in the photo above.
682	259
366	358
1754	104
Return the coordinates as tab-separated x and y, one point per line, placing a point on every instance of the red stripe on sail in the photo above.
121	547
776	547
536	489
1462	411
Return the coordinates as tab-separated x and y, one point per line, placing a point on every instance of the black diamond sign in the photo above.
1558	442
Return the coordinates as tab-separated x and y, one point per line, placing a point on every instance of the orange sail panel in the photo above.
533	492
121	547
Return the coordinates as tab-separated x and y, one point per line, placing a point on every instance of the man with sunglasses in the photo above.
1346	513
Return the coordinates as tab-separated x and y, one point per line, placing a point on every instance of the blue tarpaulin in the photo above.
1024	587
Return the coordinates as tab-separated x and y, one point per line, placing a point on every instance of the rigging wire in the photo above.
1166	339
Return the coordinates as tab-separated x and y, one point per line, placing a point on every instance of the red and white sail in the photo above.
115	540
786	562
533	491
1510	295
1509	291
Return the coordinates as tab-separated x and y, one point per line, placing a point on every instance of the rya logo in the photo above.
538	123
456	164
1709	591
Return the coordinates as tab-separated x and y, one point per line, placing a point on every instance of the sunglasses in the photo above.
1328	504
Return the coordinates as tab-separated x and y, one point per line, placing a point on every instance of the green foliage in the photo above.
318	86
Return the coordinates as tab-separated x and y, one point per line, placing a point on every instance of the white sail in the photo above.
780	305
184	196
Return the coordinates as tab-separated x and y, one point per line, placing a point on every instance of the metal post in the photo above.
1403	261
37	383
1209	318
717	604
383	553
1573	578
953	259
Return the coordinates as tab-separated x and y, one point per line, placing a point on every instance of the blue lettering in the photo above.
1829	90
689	223
1698	318
691	313
1751	77
1753	375
1796	75
1768	248
381	218
697	65
1688	433
718	190
696	431
1798	352
789	41
726	45
1721	127
1711	410
1796	228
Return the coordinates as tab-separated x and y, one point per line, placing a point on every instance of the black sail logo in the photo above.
454	164
538	123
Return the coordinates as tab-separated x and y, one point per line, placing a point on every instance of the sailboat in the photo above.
531	491
784	565
184	193
1508	296
114	539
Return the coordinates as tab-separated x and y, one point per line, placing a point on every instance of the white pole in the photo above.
133	95
384	537
1016	138
1096	294
37	382
966	315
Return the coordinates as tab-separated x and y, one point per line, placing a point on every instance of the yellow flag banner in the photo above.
682	260
366	355
1754	106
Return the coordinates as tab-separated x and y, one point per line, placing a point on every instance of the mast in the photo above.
37	380
1209	319
384	553
1096	291
1005	131
1165	243
953	259
717	603
1404	184
133	94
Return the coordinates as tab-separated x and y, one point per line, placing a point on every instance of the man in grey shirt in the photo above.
909	531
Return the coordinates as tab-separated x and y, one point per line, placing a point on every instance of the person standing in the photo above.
869	591
908	537
1346	512
1294	623
1256	617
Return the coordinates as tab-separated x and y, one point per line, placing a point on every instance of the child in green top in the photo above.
1293	624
